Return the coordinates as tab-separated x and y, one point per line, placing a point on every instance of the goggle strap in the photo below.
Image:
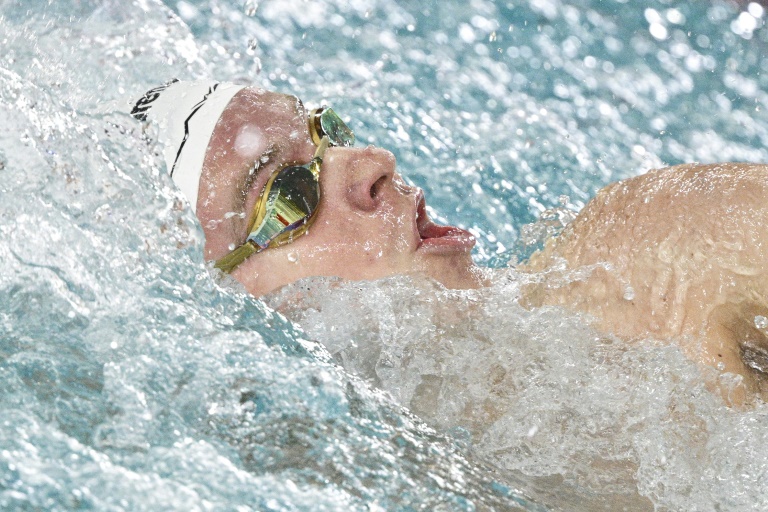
229	262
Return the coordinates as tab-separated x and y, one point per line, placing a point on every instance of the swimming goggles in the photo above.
287	205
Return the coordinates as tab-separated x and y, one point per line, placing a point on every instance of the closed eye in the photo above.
259	166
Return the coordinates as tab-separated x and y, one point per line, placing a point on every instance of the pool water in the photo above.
134	378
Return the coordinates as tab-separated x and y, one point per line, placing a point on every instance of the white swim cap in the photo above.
186	113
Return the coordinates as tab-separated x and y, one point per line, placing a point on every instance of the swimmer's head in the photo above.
223	144
186	114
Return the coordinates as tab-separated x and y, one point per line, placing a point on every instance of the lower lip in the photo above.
452	240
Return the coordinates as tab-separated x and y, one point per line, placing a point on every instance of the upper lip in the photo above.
424	225
421	213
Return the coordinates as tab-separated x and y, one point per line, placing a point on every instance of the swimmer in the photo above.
282	194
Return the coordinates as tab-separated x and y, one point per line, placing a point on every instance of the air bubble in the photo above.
250	7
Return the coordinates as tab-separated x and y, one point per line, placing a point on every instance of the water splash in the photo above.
250	7
598	422
133	380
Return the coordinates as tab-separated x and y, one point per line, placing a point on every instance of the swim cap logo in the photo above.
142	106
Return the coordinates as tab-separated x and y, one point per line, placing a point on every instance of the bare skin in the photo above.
369	223
678	253
675	254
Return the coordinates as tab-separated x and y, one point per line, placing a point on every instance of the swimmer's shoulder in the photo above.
648	208
685	186
723	175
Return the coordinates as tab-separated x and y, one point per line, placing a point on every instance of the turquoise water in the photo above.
133	378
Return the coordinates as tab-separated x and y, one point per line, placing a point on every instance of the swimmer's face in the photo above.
369	223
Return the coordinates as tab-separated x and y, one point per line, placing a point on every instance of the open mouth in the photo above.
438	238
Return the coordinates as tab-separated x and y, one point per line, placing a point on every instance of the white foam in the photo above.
541	392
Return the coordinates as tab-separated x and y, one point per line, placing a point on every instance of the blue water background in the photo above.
499	108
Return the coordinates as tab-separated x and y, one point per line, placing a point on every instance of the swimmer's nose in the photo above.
368	174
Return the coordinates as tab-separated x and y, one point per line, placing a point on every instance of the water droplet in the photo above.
629	293
721	366
293	257
532	431
761	322
250	7
492	37
232	247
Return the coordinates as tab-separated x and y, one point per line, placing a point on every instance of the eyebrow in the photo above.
253	173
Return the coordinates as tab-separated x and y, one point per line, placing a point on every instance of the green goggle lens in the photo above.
325	122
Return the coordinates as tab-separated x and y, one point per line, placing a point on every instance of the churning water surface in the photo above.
134	378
